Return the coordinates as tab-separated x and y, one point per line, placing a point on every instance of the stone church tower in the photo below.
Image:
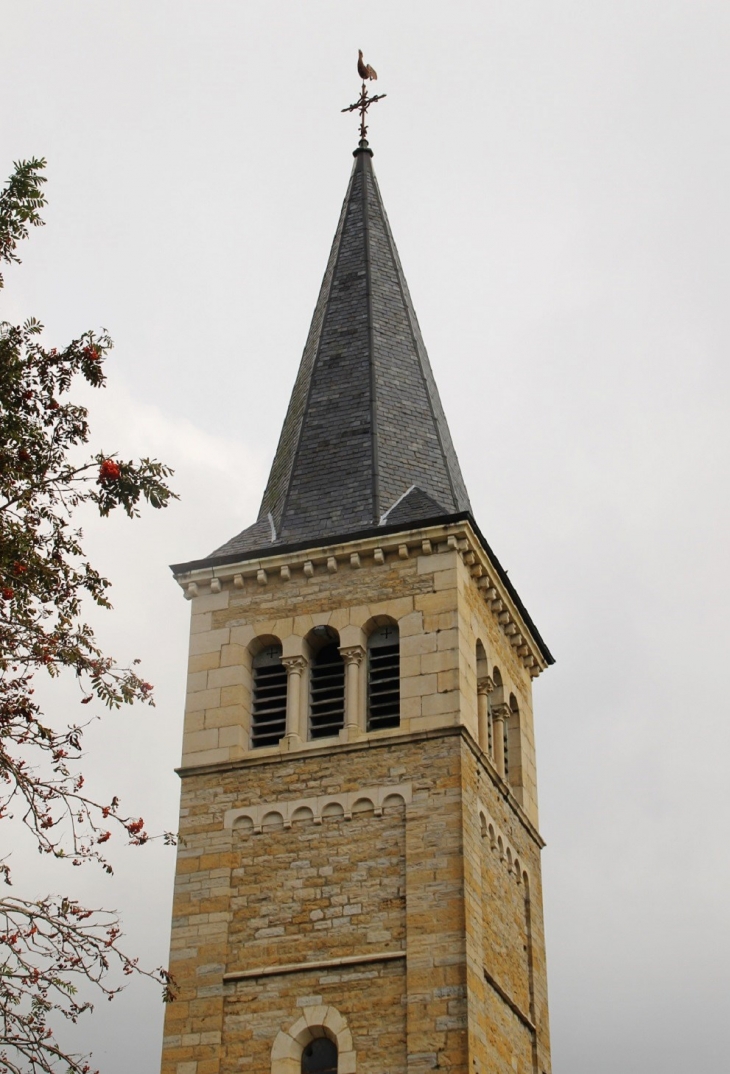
358	890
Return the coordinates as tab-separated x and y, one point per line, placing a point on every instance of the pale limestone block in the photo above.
442	622
438	704
283	628
290	1065
448	680
293	645
396	609
303	624
446	660
339	618
359	614
203	661
231	675
411	624
233	655
209	642
191	1068
418	644
197	741
430	723
418	686
435	603
346	1062
449	639
439	561
232	736
201	623
232	695
410	665
194	721
243	635
203	699
315	1016
410	707
229	716
445	580
198	680
321	618
300	1026
352	635
210	602
284	1046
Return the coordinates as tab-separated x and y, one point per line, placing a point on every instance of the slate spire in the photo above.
365	440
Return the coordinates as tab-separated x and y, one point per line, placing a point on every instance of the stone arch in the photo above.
334	810
363	805
481	658
326	682
382	673
273	821
315	1021
243	826
376	621
514	737
394	801
266	714
302	815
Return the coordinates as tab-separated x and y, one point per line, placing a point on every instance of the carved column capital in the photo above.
501	712
352	654
295	665
485	685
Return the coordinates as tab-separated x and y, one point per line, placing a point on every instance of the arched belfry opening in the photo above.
319	1057
383	681
268	703
326	683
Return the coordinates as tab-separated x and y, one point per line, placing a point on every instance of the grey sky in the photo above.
556	177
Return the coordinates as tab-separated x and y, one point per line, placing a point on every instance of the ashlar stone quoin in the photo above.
360	862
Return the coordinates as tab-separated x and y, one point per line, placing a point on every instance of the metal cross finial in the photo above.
364	101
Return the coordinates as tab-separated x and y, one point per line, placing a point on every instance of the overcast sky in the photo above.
556	175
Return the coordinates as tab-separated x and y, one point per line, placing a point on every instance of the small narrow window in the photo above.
320	1057
384	678
327	690
268	722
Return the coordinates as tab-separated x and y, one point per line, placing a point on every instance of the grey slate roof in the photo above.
365	438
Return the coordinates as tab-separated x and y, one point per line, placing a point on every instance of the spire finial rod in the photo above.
361	105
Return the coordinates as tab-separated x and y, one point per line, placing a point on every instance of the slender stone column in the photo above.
484	689
294	665
353	656
500	713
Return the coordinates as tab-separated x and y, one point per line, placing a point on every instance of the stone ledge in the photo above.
216	767
325	964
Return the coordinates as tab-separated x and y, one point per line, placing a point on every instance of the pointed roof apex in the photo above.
365	440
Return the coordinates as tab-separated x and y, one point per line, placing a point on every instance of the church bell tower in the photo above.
358	883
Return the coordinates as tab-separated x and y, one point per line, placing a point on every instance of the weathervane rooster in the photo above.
364	70
367	74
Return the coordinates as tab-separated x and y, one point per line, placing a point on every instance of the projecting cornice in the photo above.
458	533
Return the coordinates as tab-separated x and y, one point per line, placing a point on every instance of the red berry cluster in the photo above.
109	471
